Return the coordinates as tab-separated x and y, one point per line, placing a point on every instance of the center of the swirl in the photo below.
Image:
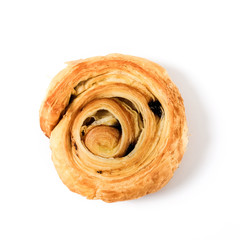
102	140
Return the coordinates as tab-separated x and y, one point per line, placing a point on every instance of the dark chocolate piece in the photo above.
156	108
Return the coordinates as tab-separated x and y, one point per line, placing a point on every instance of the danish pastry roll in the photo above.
117	127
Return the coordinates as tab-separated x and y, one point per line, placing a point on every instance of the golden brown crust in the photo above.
117	126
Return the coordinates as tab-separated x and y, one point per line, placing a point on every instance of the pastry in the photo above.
117	127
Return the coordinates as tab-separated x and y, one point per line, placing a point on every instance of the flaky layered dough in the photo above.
117	127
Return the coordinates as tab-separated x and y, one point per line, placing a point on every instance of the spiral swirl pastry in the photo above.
117	127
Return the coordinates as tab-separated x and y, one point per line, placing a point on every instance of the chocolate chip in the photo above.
156	108
75	146
100	172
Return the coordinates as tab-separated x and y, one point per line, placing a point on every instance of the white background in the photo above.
197	42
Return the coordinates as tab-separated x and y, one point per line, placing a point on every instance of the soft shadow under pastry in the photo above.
117	127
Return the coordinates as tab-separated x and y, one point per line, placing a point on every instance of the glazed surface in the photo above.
117	127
